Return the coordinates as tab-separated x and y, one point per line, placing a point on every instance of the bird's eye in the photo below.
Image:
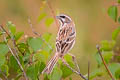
62	16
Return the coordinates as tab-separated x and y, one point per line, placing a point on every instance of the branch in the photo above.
75	61
13	40
109	72
4	75
88	70
52	12
36	33
33	30
77	72
2	29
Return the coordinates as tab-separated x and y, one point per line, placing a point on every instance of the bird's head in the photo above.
64	19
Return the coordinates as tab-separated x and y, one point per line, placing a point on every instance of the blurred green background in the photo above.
90	17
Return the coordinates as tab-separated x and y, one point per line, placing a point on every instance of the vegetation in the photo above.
26	58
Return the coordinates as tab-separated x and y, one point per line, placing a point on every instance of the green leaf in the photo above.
46	77
70	78
96	73
65	70
18	76
56	74
47	36
115	33
35	43
47	48
18	35
26	57
3	48
68	58
2	60
42	66
23	47
1	32
13	63
114	67
41	56
117	58
107	45
98	59
32	71
11	27
117	74
119	19
42	15
113	13
5	69
49	21
118	1
107	55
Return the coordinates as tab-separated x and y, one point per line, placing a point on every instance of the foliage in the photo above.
112	12
34	52
108	50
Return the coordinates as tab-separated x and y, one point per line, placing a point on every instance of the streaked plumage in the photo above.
64	41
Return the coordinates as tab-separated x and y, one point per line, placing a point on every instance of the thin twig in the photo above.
19	49
77	72
33	30
77	65
109	72
14	47
88	70
30	58
5	30
36	33
12	39
14	55
75	61
53	13
4	75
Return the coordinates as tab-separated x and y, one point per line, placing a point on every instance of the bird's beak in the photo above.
58	17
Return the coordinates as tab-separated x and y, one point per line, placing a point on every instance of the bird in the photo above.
65	40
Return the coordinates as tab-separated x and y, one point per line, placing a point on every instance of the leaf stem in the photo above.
109	72
88	70
73	70
4	75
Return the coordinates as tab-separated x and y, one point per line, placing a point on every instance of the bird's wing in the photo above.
65	38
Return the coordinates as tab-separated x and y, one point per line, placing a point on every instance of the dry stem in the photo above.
4	75
109	72
73	70
53	13
88	70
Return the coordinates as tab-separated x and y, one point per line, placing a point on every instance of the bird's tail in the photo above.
48	69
